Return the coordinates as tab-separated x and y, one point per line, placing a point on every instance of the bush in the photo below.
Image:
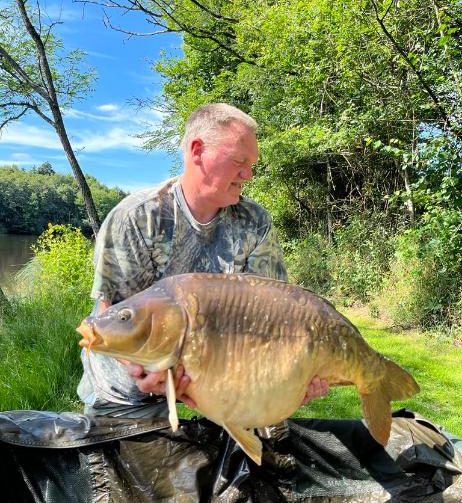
63	262
361	257
350	269
309	264
424	286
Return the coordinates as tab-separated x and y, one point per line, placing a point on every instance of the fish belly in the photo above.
250	382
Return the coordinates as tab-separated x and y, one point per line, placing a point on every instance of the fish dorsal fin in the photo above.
171	400
247	440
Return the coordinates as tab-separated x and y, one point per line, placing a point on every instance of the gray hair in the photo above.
209	121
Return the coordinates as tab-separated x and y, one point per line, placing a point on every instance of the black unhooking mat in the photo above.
72	458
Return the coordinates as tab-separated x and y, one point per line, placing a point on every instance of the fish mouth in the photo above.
90	338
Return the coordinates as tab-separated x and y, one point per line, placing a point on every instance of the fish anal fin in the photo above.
171	401
247	440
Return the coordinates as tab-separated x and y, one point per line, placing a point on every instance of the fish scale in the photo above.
250	346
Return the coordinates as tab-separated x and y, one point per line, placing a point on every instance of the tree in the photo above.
44	169
31	199
35	76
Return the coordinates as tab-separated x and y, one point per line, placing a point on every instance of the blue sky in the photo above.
102	127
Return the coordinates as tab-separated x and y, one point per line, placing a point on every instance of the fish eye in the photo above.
124	314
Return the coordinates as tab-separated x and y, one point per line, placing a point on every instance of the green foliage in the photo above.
309	264
438	163
33	199
39	346
424	286
105	199
340	99
63	258
276	199
352	267
361	257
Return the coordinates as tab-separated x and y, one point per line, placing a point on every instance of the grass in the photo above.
40	365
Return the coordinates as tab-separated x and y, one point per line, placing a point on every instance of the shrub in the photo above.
309	264
350	269
64	261
360	257
424	286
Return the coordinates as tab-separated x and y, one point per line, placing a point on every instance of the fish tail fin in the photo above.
397	384
248	441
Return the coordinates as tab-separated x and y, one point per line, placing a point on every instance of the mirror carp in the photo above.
250	345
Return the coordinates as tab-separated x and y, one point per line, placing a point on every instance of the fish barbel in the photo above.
250	345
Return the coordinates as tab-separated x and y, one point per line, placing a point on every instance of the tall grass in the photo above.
40	365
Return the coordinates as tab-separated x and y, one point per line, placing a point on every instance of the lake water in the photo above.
14	253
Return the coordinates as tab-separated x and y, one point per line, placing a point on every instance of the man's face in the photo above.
227	164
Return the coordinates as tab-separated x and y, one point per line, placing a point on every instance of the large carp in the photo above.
251	346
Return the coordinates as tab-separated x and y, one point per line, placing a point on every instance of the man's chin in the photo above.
234	199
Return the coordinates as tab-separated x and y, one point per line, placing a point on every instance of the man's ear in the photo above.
196	149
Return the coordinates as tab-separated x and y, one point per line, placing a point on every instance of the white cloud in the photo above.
56	12
19	133
88	140
73	113
101	55
115	138
121	133
109	107
26	162
21	157
111	112
133	187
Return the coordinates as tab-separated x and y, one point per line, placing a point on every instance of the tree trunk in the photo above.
409	201
58	122
79	176
329	203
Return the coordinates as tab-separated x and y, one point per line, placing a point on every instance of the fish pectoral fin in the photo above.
171	401
247	440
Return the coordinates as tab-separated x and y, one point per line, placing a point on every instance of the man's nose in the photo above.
246	173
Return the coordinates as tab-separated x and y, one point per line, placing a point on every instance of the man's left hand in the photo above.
317	389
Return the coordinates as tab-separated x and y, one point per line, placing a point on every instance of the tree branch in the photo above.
418	73
214	14
11	119
19	73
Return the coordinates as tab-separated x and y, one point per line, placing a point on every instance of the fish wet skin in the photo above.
250	346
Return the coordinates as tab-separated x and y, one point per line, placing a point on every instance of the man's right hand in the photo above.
154	382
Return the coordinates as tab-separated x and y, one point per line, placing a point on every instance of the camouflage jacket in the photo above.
152	234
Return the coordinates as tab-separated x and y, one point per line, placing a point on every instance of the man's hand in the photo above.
154	382
316	389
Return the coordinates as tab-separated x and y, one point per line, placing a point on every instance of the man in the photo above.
197	223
